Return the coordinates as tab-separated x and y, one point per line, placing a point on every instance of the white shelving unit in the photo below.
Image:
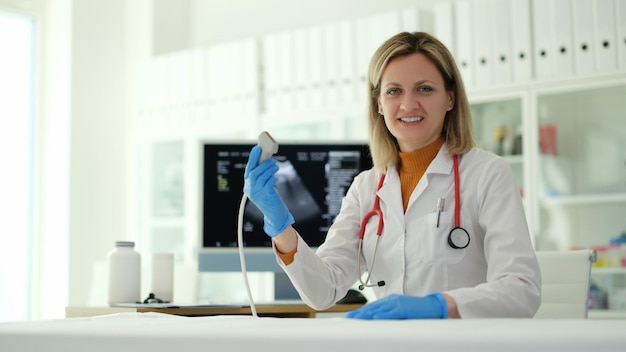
572	174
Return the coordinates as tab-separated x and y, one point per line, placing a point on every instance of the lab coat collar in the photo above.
391	193
442	164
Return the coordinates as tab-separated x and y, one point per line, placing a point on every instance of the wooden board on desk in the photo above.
267	310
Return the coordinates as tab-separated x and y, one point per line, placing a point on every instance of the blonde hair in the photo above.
457	130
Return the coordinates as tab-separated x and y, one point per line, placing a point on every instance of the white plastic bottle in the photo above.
124	273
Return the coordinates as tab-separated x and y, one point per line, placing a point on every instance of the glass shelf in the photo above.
498	128
589	199
609	271
582	149
581	164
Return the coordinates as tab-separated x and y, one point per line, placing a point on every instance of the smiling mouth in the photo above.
411	119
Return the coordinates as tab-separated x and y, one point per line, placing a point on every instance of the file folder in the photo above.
606	40
270	64
213	80
464	41
408	20
444	24
364	52
383	26
286	94
346	62
316	62
198	88
331	64
621	33
563	42
543	38
521	40
501	50
234	93
302	66
482	40
250	76
584	61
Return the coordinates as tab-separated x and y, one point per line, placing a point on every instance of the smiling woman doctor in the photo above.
454	240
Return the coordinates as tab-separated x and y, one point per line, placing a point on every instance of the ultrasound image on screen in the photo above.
312	181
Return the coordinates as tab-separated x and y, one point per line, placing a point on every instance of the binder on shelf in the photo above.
197	75
180	64
346	62
621	33
316	62
195	83
369	33
443	27
364	51
521	40
250	76
286	94
331	64
483	42
584	61
302	77
606	41
270	63
409	21
563	42
233	84
501	50
222	76
464	49
213	63
418	20
383	26
543	38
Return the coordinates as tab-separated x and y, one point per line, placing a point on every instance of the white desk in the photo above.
157	332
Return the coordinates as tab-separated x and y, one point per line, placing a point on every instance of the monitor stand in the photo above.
283	288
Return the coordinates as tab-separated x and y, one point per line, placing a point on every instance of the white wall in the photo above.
99	137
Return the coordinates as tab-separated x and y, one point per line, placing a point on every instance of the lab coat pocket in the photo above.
432	242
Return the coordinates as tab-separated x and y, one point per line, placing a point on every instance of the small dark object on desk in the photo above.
152	299
353	296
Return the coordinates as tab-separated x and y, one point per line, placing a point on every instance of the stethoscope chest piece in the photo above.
458	238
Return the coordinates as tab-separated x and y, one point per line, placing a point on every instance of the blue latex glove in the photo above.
397	306
259	182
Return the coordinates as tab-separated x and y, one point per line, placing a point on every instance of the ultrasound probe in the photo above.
269	147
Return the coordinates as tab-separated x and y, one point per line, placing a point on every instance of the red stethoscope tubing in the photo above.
457	192
453	238
377	212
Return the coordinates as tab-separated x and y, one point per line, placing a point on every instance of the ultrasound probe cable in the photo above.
269	147
242	258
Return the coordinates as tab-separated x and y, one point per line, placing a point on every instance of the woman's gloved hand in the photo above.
397	306
259	182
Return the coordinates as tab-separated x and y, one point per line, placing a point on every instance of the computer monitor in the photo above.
313	178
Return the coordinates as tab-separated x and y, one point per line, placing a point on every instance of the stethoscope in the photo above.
458	238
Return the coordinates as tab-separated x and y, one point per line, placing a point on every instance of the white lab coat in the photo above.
496	275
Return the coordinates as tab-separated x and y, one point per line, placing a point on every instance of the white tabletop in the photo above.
157	332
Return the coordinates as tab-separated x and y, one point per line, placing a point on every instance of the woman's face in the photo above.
414	101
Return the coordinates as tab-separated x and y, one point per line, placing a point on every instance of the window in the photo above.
16	157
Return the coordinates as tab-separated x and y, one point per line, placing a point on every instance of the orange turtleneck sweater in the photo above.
412	167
